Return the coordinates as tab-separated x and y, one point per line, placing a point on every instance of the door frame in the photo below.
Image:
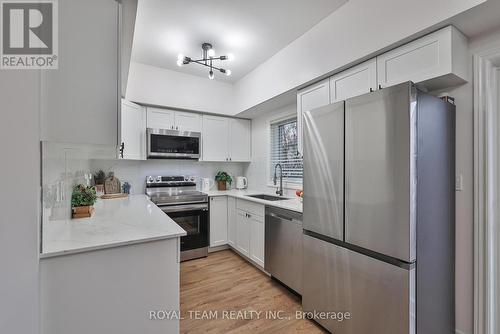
486	181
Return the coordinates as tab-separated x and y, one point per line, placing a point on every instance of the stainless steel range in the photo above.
178	198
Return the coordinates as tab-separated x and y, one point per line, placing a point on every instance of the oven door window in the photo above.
195	223
174	144
190	224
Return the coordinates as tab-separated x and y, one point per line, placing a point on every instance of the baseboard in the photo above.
248	260
218	248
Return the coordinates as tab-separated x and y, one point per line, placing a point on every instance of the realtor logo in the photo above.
29	34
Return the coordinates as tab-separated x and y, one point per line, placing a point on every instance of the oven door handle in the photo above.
180	208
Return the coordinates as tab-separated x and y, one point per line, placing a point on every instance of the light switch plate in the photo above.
459	182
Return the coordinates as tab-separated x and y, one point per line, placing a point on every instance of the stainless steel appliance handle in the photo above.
180	208
275	215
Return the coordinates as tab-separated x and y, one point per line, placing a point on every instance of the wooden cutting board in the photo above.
113	196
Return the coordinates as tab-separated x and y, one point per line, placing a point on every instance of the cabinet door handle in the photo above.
371	90
177	128
230	159
380	86
122	149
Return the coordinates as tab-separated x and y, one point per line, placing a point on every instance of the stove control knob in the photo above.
150	179
192	178
158	179
186	178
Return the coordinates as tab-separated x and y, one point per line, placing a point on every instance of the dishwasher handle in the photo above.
281	217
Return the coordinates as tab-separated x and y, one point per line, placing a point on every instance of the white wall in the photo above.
19	200
135	172
257	171
80	99
357	30
158	86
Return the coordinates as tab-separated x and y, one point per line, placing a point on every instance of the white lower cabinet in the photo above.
243	233
218	221
257	239
250	230
231	221
240	224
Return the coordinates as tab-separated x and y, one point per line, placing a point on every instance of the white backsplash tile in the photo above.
63	166
135	172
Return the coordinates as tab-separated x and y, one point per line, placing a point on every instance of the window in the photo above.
284	150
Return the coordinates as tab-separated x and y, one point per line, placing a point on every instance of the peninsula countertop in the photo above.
115	222
291	203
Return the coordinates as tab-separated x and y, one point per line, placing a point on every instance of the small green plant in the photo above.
223	176
83	196
99	177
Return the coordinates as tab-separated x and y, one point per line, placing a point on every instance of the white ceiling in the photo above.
252	30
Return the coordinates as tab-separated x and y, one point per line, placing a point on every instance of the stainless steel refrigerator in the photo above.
379	213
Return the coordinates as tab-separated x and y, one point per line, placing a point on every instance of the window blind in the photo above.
284	150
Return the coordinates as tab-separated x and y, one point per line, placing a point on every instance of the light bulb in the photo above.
211	53
180	57
230	56
179	62
211	75
228	72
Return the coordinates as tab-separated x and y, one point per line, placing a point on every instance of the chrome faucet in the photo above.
279	191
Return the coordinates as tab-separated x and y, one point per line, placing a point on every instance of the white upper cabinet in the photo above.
226	139
161	118
218	221
215	135
437	60
239	140
355	81
309	98
132	131
187	121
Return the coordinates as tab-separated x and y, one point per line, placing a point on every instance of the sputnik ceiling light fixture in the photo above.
207	60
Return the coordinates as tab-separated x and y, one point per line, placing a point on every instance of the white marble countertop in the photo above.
292	203
115	222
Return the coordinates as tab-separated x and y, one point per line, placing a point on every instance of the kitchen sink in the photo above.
268	197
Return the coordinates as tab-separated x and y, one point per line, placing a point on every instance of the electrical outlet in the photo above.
459	182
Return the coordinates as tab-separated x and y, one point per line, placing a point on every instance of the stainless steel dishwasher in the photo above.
283	247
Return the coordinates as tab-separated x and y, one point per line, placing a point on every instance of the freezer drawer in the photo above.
324	170
380	297
380	177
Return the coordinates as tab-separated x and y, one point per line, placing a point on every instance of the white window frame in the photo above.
269	176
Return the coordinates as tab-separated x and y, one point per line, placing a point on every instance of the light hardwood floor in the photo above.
224	282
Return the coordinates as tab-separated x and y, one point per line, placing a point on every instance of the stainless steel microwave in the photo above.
173	144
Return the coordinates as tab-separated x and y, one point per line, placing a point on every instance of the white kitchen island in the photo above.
107	273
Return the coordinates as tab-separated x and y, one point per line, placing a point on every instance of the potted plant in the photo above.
222	178
82	201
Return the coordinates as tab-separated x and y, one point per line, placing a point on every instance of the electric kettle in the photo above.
207	184
241	182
